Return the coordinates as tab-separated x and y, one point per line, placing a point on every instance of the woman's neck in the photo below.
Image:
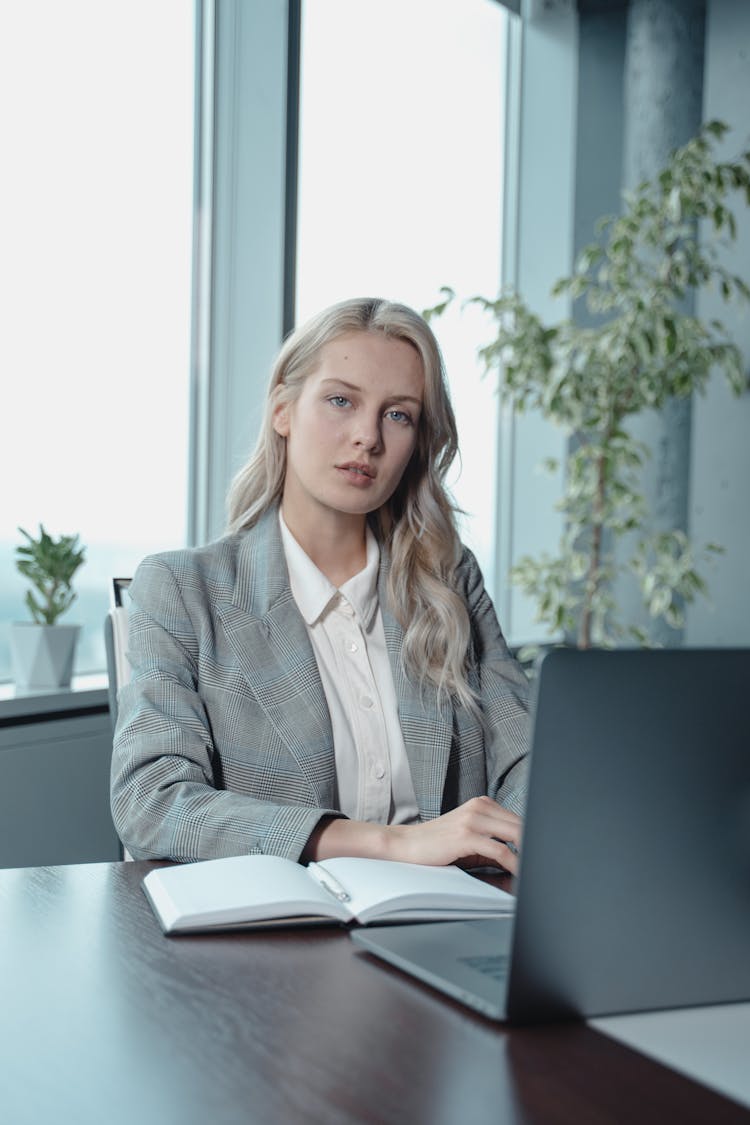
337	546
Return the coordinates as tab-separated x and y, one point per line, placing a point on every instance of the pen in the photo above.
332	885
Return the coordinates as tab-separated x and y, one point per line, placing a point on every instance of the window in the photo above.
96	226
400	187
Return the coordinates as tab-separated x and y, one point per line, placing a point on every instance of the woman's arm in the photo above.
477	833
168	792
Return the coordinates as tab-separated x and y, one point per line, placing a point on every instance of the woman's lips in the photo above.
357	473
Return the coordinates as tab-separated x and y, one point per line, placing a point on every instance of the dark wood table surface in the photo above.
105	1020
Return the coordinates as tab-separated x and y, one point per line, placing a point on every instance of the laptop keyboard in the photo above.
493	965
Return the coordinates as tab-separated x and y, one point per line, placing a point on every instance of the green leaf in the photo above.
638	349
49	564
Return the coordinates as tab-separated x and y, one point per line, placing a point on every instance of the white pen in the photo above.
331	885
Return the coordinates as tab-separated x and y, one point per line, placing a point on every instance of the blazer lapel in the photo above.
274	654
426	721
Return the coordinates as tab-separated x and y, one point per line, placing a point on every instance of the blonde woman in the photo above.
330	677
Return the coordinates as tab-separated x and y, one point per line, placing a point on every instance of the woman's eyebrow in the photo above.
340	383
334	382
405	398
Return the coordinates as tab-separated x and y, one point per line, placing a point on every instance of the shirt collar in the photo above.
313	592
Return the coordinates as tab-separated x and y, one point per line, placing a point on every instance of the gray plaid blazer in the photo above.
223	743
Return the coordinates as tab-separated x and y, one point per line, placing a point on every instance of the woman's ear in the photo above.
280	418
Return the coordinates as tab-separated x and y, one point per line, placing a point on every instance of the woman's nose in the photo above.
367	433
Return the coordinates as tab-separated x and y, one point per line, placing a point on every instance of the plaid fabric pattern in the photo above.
223	743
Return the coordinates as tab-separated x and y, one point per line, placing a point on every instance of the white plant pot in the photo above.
43	654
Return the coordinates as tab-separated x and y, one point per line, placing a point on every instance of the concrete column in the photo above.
663	104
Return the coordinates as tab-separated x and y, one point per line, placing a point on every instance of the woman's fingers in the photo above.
479	831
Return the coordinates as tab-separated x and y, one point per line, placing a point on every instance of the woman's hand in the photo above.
476	834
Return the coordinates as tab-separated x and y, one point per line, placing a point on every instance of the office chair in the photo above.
115	644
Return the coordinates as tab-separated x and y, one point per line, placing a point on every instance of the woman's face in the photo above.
353	429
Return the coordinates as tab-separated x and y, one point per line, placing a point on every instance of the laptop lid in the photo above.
634	887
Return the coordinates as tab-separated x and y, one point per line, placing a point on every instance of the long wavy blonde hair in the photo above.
417	525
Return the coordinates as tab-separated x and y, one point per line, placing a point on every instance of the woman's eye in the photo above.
338	400
400	416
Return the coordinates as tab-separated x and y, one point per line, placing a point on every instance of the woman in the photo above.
329	678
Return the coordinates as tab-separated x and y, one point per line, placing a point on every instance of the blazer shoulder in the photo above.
215	558
469	580
247	569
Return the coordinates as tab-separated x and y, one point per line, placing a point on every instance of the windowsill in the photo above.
85	692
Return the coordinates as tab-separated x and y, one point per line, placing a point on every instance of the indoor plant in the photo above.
640	347
42	649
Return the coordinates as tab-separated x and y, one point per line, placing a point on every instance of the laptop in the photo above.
634	886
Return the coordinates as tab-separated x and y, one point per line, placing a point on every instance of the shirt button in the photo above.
352	646
378	771
347	609
366	702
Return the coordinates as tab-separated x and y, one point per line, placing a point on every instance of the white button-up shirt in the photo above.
346	631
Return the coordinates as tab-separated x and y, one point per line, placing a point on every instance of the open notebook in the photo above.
247	891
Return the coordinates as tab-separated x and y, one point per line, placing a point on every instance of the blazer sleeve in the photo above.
504	692
166	794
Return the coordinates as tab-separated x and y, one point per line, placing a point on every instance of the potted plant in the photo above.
42	649
643	348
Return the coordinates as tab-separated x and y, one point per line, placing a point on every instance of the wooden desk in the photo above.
104	1020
